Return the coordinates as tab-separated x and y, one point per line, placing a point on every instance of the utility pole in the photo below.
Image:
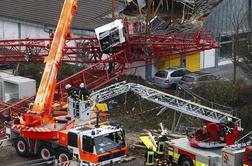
113	10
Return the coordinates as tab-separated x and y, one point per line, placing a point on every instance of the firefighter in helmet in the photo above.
71	91
161	147
83	92
149	157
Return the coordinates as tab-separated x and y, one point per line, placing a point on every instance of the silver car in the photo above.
168	78
194	80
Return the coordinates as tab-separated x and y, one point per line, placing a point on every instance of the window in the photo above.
187	79
72	139
87	144
186	72
178	73
161	74
109	142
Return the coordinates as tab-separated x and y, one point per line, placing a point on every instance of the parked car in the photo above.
194	80
169	77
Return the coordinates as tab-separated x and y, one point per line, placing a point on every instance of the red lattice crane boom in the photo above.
86	49
136	48
35	50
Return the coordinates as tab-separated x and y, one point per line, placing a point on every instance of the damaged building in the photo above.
168	17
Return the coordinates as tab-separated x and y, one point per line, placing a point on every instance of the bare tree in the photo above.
246	64
237	20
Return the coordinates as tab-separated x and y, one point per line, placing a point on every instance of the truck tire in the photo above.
21	146
185	161
63	155
45	151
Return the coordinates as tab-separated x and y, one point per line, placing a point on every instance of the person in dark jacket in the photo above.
83	92
110	67
71	91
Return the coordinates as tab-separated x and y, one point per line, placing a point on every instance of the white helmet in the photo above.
68	86
229	119
82	85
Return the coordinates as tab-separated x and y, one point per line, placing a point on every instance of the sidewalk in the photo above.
227	72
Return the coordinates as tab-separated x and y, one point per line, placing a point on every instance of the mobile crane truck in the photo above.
38	132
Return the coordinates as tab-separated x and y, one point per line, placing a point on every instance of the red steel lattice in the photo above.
87	50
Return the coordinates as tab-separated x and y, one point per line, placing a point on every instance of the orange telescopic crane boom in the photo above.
41	110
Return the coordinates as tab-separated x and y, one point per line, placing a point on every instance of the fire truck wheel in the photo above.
45	151
63	155
185	161
21	146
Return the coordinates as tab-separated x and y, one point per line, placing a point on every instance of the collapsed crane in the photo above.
38	132
96	75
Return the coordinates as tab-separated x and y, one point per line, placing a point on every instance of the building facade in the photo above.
230	18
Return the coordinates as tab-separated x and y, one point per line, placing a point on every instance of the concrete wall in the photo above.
14	29
15	88
28	31
2	76
140	71
8	30
207	59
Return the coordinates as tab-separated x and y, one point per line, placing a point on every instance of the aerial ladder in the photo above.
215	120
166	100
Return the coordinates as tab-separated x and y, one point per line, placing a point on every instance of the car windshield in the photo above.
186	72
161	74
109	142
187	79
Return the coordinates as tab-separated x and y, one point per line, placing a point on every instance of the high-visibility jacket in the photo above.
150	160
161	148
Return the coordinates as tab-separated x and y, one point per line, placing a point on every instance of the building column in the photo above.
148	69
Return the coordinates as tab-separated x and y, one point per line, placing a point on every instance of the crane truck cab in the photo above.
94	146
